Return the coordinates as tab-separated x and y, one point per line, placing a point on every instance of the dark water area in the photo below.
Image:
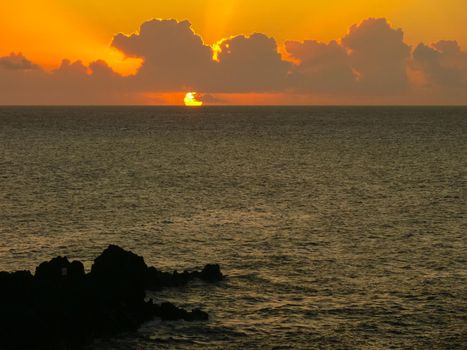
339	227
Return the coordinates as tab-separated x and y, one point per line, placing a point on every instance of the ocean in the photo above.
338	227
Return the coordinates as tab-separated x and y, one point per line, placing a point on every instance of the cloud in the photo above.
370	64
443	63
250	64
16	61
370	60
322	67
211	99
175	58
378	55
70	83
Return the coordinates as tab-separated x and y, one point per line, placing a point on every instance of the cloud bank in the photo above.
371	64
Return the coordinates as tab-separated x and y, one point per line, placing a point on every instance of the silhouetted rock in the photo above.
156	280
211	273
62	307
120	275
198	315
59	269
117	264
169	312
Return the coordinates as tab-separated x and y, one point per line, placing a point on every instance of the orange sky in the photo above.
47	31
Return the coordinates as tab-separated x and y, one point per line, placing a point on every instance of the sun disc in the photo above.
191	99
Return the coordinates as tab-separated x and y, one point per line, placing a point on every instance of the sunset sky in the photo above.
428	59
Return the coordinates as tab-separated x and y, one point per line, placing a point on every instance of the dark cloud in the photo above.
370	60
16	61
70	83
210	98
322	67
443	63
378	55
175	58
250	64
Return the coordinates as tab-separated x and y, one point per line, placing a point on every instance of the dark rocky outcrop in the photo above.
169	312
211	273
62	307
156	279
60	269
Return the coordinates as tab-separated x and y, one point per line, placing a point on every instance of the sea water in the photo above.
338	227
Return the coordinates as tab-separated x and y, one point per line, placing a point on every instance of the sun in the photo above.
191	99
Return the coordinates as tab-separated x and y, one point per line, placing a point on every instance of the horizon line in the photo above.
234	105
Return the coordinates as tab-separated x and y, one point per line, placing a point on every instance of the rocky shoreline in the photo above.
63	307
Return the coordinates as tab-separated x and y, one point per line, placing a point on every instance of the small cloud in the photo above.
210	98
16	61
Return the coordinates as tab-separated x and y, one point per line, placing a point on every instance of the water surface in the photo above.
338	227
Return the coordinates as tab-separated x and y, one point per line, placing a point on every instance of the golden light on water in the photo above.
191	99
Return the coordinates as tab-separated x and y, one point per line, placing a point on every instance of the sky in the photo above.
233	51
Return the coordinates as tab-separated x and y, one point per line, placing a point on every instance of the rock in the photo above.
16	287
62	307
198	315
117	264
169	312
156	280
211	273
60	269
121	275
